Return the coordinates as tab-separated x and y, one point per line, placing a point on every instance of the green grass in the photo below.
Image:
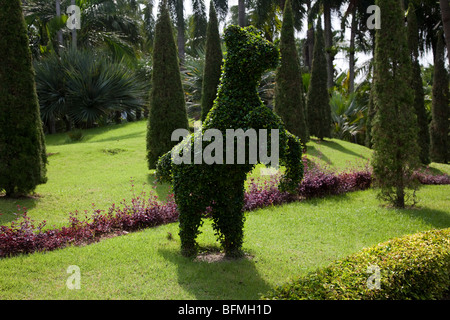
282	242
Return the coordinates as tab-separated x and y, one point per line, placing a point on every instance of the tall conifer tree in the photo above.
439	128
318	99
213	63
23	157
289	100
394	131
417	86
167	101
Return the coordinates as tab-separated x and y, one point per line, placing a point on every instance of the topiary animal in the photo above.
220	187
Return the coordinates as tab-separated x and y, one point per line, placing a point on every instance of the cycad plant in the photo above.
347	116
192	77
86	87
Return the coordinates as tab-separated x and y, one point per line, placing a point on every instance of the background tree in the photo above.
198	25
266	14
394	131
417	85
439	127
167	104
327	7
289	99
213	63
445	12
241	11
112	25
361	37
23	156
318	99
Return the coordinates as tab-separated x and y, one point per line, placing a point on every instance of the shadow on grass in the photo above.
221	279
90	134
437	218
115	138
340	148
312	151
9	207
434	171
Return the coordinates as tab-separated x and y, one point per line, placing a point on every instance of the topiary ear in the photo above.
233	35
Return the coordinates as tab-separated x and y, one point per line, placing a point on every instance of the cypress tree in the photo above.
439	127
289	101
23	156
394	131
167	104
213	63
416	83
318	99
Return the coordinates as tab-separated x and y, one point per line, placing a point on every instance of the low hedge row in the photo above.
413	267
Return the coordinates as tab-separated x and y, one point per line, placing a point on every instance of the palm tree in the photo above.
176	7
58	15
327	6
266	13
445	12
358	32
45	28
113	24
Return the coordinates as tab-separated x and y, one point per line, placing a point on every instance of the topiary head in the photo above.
248	52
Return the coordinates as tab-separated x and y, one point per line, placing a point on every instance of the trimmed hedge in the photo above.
413	267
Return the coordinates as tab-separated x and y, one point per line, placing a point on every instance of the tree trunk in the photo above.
180	30
74	31
180	42
52	125
328	43
351	82
309	50
241	11
445	12
58	14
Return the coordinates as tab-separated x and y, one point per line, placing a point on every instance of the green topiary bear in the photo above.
220	187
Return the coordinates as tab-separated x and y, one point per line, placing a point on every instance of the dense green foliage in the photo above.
318	99
411	267
417	85
220	186
23	156
167	101
289	99
83	88
394	131
212	64
439	128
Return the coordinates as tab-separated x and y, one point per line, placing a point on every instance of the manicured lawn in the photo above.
282	243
